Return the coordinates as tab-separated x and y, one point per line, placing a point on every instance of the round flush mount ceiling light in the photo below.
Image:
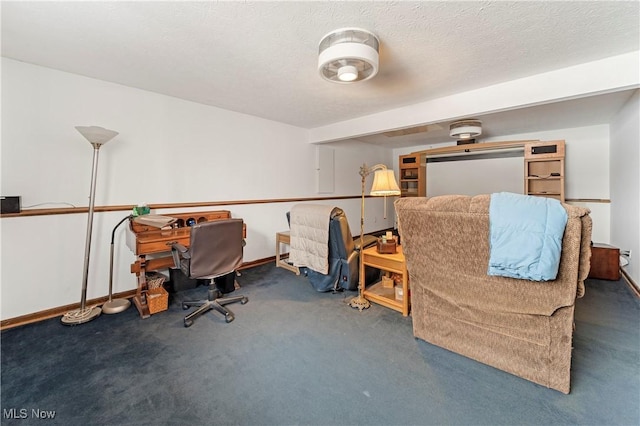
465	129
348	55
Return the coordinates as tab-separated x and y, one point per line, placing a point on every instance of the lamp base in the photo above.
115	306
359	302
80	316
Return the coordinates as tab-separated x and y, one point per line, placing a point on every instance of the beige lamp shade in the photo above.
97	135
384	184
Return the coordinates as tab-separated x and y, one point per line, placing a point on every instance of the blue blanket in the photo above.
525	236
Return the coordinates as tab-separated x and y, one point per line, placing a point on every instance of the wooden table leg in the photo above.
140	298
284	238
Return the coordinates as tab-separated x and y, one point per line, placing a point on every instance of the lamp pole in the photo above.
114	306
359	301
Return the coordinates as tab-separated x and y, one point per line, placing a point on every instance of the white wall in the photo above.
586	168
625	182
168	151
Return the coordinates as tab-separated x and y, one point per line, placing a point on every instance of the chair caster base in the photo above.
215	301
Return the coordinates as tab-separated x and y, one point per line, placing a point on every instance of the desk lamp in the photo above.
97	136
384	184
114	306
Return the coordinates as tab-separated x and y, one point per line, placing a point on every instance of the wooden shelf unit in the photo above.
379	294
543	166
413	176
544	169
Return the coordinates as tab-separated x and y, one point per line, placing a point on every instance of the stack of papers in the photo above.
157	221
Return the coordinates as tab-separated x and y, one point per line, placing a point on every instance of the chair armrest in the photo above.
177	251
184	252
367	241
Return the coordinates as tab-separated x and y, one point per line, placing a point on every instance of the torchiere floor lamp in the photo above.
97	136
384	184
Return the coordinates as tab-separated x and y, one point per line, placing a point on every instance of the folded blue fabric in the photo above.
525	236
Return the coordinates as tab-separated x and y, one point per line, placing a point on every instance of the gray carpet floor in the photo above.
297	357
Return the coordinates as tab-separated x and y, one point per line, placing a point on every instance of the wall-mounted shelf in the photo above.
543	165
544	169
473	148
413	176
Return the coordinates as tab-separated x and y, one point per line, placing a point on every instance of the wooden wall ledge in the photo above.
129	207
474	147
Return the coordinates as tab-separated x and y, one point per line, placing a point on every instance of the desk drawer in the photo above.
159	246
156	241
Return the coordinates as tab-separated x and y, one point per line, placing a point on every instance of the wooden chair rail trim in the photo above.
129	207
588	200
75	210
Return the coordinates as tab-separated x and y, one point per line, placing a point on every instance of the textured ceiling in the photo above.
260	58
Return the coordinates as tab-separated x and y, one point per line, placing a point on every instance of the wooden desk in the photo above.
392	263
146	240
284	238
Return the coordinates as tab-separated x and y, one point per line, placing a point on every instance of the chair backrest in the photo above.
340	238
215	248
340	232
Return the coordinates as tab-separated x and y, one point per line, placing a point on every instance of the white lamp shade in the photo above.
96	135
384	184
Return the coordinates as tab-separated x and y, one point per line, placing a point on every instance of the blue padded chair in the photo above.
344	252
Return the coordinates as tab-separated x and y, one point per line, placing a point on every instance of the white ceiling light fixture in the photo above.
348	55
465	129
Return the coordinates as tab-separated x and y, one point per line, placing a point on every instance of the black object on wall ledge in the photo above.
10	204
546	149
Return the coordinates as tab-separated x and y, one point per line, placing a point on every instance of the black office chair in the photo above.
215	250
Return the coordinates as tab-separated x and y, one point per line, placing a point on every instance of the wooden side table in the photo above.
379	294
605	262
284	238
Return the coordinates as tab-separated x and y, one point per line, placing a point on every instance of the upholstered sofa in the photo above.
519	326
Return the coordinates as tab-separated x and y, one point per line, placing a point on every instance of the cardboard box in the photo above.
399	293
387	282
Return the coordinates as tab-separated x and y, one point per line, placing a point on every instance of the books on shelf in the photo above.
155	220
